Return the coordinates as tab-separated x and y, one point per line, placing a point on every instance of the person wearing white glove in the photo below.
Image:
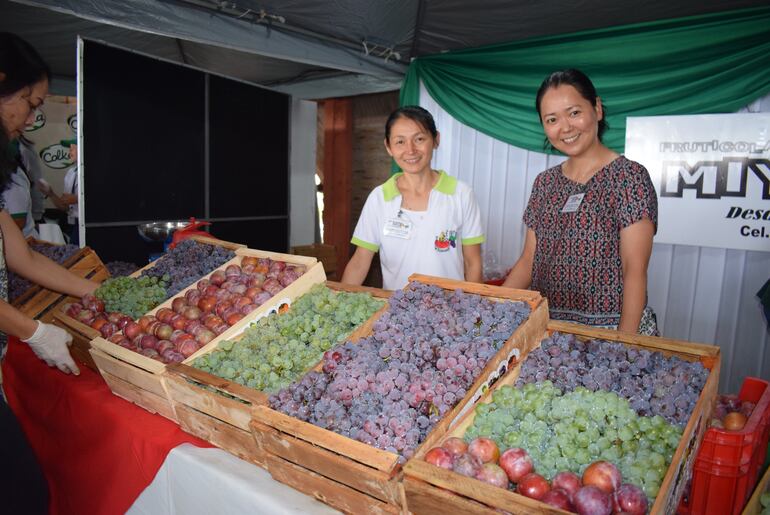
50	344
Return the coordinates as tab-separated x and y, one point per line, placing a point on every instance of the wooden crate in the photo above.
223	418
300	453
148	375
431	489
44	304
325	253
39	303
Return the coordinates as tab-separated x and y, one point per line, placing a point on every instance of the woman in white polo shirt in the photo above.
420	220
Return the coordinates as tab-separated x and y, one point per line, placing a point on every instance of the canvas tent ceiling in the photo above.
315	48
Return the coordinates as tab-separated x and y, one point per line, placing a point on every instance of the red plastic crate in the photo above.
728	462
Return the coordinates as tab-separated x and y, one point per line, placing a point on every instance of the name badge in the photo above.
573	203
398	228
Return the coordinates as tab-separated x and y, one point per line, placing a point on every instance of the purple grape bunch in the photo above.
652	383
121	268
17	285
388	390
187	262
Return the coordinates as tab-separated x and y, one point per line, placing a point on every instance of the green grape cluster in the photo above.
569	431
132	296
277	349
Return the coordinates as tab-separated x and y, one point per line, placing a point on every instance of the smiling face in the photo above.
570	122
411	145
17	111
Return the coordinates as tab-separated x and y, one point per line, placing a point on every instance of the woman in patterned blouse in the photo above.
590	220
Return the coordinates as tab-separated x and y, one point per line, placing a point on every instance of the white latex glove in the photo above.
50	344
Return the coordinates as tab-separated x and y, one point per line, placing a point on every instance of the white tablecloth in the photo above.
194	481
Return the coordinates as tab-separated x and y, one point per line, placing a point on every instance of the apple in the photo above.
148	341
516	463
455	446
192	312
217	277
108	329
484	449
603	475
439	457
467	465
179	322
630	499
207	303
163	331
178	304
188	347
590	500
558	498
567	481
204	336
492	474
533	485
123	322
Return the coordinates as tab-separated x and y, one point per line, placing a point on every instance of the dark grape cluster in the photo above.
187	262
652	383
17	285
121	268
389	389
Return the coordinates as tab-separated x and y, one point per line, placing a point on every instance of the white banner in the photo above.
712	176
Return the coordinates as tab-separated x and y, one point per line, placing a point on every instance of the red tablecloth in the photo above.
97	450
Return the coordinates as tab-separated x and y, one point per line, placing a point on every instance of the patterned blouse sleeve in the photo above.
532	212
637	198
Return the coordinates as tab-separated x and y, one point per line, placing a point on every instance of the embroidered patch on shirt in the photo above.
446	240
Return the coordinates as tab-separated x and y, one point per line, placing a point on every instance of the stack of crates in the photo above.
729	462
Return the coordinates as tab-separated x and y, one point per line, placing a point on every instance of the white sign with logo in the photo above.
712	176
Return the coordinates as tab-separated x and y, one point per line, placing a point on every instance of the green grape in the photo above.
279	348
132	296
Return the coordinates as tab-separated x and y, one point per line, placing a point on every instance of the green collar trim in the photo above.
446	184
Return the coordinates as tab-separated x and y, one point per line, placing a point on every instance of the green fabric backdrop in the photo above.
701	64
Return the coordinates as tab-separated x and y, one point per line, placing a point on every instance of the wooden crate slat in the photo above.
135	376
359	451
326	490
210	240
425	499
230	387
222	408
533	298
236	441
374	292
142	398
307	261
333	466
480	491
129	356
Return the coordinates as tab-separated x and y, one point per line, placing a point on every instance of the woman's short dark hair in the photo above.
20	66
415	113
579	81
